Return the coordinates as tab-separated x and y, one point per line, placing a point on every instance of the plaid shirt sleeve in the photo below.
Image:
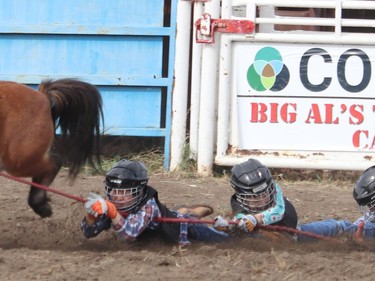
129	228
103	223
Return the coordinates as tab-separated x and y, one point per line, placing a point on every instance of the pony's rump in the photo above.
28	122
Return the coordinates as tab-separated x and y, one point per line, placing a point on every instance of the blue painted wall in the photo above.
125	47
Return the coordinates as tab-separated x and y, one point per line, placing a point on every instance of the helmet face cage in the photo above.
125	199
254	186
257	199
124	194
125	184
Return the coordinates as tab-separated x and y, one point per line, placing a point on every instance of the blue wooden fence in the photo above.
124	47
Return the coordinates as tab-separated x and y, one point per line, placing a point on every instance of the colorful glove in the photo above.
247	223
222	224
92	200
97	206
104	207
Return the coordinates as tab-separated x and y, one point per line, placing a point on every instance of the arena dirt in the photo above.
54	248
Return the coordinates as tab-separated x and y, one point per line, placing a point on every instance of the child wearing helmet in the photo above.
363	227
258	200
132	206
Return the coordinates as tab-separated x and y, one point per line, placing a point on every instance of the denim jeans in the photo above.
205	233
333	228
198	232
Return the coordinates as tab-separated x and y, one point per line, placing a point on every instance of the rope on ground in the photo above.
46	188
174	220
265	227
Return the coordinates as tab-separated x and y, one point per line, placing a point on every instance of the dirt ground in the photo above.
54	248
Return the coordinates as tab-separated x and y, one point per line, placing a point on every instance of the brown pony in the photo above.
28	120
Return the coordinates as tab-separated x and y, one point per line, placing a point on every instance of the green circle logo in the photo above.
268	71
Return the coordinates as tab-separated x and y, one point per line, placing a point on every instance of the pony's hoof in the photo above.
43	211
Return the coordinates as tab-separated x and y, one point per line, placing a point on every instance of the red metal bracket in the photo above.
206	28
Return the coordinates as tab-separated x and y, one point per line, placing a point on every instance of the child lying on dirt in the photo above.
132	208
258	201
362	228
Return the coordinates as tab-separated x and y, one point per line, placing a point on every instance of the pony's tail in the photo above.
77	110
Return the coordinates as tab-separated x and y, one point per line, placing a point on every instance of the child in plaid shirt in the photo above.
132	206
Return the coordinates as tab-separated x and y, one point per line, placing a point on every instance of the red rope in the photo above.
265	227
174	220
46	188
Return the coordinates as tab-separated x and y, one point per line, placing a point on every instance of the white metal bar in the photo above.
196	64
305	37
359	5
296	21
329	161
315	21
338	17
181	73
225	77
358	23
208	98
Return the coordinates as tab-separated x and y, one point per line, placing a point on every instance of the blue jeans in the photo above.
333	228
199	232
205	233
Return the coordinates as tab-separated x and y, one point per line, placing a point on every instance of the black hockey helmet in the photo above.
364	190
124	179
254	185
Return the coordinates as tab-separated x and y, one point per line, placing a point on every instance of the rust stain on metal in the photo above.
256	152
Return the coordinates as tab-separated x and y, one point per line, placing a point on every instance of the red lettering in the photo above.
314	114
357	138
284	113
356	112
343	108
274	111
373	143
329	115
258	112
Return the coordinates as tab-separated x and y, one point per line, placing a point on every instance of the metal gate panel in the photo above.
39	15
93	55
317	151
130	115
124	47
335	36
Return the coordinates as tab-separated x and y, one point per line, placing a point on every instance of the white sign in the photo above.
305	97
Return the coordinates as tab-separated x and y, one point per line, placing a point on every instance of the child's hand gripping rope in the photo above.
97	206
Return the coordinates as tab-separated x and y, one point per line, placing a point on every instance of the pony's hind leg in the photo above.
38	199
